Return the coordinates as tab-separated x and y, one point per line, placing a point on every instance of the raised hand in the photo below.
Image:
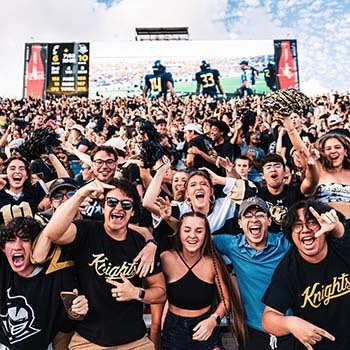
224	163
328	221
3	181
164	207
95	189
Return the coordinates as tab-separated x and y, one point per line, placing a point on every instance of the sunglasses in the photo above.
59	196
112	202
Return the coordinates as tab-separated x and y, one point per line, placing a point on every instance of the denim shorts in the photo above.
177	334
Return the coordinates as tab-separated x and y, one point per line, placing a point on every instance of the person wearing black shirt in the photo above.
209	80
276	193
32	312
106	254
196	143
158	83
287	145
312	280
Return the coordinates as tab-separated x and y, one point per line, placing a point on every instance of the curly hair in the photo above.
321	147
23	227
7	163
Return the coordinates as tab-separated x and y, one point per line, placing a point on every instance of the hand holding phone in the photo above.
67	298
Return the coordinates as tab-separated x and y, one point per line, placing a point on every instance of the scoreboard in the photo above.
66	69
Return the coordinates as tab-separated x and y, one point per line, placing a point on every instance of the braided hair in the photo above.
234	310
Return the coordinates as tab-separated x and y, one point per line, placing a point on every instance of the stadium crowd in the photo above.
192	208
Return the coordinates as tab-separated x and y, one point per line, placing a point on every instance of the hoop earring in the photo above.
211	199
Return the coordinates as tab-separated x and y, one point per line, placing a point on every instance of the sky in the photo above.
321	28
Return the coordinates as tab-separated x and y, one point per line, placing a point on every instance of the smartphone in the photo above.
67	299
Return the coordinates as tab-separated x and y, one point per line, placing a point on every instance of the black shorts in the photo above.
258	340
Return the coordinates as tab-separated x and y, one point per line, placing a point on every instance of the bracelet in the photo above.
152	241
217	318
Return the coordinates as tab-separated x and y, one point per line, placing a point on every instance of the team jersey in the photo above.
157	83
208	79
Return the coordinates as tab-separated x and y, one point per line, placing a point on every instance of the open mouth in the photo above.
199	195
117	216
18	259
17	178
255	230
274	176
308	241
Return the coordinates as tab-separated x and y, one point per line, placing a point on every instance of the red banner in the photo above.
286	59
35	70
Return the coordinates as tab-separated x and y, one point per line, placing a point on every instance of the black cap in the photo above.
244	62
63	182
253	202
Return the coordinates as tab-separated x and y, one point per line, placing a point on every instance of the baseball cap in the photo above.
79	128
334	119
63	182
116	142
253	202
193	127
244	62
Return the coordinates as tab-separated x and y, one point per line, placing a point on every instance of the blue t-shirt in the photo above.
254	269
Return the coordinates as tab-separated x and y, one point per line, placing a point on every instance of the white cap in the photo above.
193	127
79	128
116	142
334	119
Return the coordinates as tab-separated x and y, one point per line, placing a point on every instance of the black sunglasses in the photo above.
59	196
125	203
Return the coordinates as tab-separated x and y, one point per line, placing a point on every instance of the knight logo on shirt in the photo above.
17	322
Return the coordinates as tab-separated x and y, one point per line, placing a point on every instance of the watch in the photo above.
141	294
217	318
152	241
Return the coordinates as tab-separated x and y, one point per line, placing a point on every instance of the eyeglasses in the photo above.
273	166
258	215
109	162
112	202
311	225
59	195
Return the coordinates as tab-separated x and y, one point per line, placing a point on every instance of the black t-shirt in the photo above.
202	143
131	173
318	293
31	308
45	170
98	256
279	204
26	205
286	142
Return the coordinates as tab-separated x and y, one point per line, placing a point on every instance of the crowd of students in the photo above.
244	216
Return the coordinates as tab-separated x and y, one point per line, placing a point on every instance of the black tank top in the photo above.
190	292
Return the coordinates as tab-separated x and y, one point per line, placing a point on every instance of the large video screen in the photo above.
119	68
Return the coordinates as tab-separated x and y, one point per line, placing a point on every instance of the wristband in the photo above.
141	294
217	318
152	241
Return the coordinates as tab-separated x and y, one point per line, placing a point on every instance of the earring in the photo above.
211	199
